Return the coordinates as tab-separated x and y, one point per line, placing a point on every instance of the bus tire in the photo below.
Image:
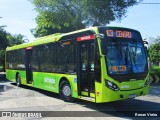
65	91
18	80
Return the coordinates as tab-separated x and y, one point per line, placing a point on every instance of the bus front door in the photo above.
28	65
86	84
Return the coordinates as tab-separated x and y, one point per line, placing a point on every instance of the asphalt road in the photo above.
13	98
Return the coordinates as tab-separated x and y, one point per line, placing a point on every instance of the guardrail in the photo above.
154	74
154	78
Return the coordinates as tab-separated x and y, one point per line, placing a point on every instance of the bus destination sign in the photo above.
119	33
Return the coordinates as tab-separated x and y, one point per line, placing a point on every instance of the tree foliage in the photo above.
154	52
6	39
15	39
68	15
3	39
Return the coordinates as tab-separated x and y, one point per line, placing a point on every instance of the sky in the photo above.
144	18
19	17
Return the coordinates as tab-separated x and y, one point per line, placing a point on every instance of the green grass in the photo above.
155	70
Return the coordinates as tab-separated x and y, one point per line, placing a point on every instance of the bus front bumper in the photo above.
109	95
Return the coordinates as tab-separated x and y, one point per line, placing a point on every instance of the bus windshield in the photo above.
125	56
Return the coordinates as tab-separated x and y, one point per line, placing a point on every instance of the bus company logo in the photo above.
6	114
125	86
49	80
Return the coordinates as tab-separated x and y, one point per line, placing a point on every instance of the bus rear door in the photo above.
28	65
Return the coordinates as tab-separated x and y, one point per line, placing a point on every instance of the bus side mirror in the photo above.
145	47
145	42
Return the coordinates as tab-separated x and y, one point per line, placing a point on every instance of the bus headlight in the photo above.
147	82
111	85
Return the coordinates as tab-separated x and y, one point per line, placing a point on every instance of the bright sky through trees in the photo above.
19	17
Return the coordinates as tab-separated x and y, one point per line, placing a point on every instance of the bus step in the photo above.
84	93
87	98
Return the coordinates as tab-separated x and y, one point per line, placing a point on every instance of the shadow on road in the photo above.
4	81
47	93
125	108
154	90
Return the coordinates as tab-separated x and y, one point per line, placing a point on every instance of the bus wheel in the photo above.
65	91
18	80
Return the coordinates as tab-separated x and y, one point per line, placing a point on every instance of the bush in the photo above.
2	59
155	70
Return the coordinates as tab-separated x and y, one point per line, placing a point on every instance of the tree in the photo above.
6	39
154	52
68	15
15	39
3	45
3	39
2	55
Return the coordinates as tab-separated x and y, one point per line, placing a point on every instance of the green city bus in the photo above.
97	64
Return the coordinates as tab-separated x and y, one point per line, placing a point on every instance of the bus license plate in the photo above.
132	96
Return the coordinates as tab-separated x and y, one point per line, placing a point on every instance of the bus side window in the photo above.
65	57
97	69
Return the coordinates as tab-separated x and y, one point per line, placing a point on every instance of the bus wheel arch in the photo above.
18	79
65	90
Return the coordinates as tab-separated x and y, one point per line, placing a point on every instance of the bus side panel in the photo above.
73	83
45	81
23	77
100	93
50	82
11	75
